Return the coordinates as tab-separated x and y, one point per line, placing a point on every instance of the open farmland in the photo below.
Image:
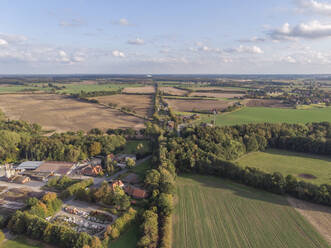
141	104
139	90
212	212
217	94
272	115
311	168
187	105
60	113
173	91
212	88
77	87
271	103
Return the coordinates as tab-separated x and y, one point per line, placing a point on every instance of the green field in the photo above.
212	212
21	242
272	115
77	88
131	146
292	163
141	169
128	240
21	88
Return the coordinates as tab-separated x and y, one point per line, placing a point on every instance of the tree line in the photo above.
211	150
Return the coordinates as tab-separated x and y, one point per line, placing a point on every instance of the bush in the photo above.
2	236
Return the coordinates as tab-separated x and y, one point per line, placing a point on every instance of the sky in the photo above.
172	36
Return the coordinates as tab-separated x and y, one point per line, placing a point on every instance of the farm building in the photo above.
117	183
122	158
56	168
20	179
136	192
29	165
91	170
38	176
7	171
95	161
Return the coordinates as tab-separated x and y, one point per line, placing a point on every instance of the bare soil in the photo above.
307	176
183	105
61	113
142	104
216	94
140	90
173	91
319	216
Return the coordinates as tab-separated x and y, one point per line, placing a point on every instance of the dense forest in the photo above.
22	141
211	150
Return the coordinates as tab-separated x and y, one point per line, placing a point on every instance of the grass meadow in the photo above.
271	115
212	212
128	240
22	242
293	163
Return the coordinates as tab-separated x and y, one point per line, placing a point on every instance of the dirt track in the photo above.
60	113
319	216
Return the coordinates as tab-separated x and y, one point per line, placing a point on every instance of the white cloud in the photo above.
245	49
137	41
13	39
288	59
314	6
253	40
117	53
72	23
122	22
3	42
312	30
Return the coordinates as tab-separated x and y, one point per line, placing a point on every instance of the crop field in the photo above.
272	115
139	90
318	215
77	88
142	104
183	105
212	212
60	113
216	94
311	168
21	88
173	91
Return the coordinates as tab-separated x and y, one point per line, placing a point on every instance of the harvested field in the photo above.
319	216
183	105
265	103
140	90
173	91
216	94
218	88
61	113
142	104
212	212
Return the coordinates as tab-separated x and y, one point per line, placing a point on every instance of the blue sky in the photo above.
210	36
